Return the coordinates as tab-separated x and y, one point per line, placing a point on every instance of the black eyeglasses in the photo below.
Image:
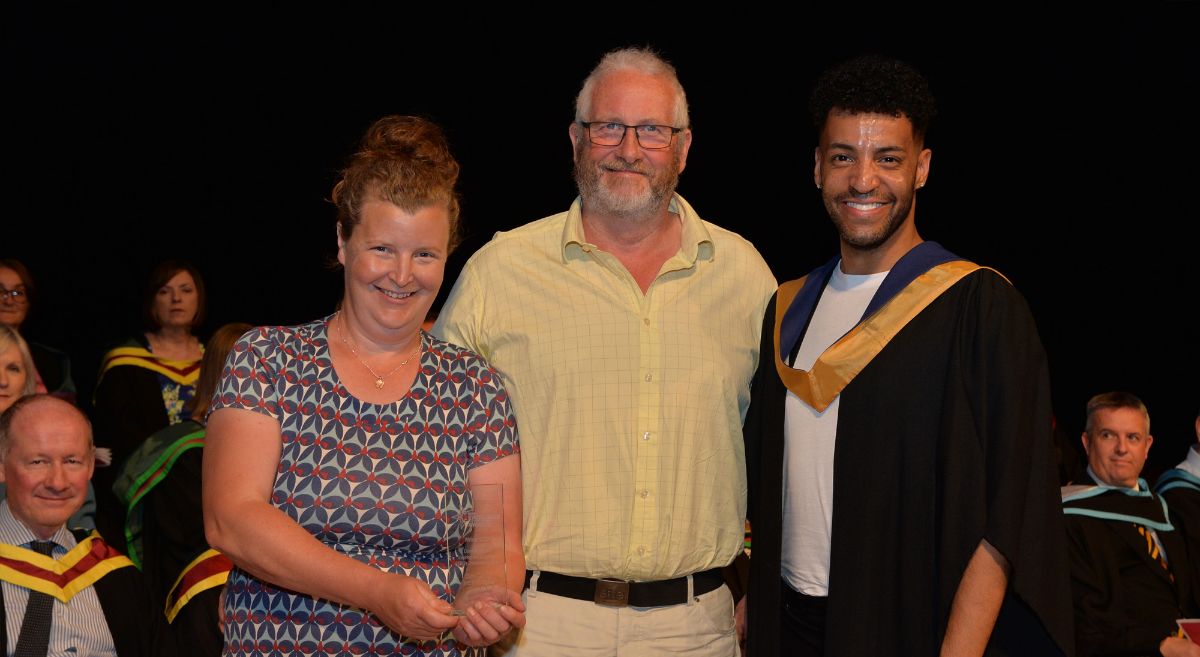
650	137
18	296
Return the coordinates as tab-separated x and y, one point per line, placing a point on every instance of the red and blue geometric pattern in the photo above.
385	484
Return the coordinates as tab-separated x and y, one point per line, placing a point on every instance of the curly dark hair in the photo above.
874	84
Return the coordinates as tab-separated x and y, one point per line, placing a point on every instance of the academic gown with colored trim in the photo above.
943	440
170	529
1125	601
1181	490
136	624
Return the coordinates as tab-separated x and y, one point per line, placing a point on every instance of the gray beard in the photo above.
600	199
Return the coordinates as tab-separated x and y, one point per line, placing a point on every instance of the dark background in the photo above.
1064	155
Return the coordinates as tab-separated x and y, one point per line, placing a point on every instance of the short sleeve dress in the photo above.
381	483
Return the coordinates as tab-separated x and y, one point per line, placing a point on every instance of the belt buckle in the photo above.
612	593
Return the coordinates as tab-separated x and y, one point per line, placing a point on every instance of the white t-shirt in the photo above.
809	439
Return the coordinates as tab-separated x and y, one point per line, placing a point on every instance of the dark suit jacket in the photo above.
137	627
1125	601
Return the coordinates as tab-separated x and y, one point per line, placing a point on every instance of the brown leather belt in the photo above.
619	593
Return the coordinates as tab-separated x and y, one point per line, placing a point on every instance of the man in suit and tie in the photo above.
63	592
1130	574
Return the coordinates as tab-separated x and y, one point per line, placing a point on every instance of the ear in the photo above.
341	246
1149	442
576	133
923	167
817	167
1084	439
686	135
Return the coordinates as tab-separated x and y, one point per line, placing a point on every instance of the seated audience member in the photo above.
1180	487
1130	574
16	381
147	382
63	593
16	364
52	367
164	524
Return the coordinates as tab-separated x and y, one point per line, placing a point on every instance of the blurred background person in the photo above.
16	367
17	381
341	454
164	522
1180	487
148	382
52	367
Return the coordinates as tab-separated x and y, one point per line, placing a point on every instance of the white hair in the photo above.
643	60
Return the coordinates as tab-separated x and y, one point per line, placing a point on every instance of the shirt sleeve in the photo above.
494	429
250	378
460	317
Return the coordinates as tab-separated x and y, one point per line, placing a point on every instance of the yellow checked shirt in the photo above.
629	405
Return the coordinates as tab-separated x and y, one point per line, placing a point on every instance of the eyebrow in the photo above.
850	147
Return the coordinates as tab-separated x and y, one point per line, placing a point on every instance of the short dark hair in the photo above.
874	84
159	276
1114	399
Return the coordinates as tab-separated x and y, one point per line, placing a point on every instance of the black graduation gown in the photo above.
137	625
1125	601
1181	490
943	441
127	408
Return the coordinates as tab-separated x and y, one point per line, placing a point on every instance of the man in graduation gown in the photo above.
1180	487
1130	572
90	597
900	459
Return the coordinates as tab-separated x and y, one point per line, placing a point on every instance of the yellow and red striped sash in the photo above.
209	569
184	372
80	568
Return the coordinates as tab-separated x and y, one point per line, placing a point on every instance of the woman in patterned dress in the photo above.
341	454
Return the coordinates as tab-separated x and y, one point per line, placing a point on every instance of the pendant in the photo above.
379	384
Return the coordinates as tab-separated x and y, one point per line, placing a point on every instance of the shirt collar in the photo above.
14	532
695	241
1191	464
1099	481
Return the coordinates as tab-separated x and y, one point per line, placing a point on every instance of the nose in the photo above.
629	149
403	273
864	178
3	377
56	478
1122	446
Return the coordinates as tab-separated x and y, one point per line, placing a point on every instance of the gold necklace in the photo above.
379	383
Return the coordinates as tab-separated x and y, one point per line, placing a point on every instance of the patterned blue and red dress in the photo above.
382	483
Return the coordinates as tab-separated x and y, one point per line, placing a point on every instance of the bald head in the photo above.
46	460
41	409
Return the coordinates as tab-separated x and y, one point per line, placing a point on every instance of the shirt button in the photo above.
646	436
646	321
649	377
641	550
645	494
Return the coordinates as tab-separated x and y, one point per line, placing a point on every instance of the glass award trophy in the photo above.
484	579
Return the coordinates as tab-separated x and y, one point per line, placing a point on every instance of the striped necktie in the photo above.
1153	549
34	640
